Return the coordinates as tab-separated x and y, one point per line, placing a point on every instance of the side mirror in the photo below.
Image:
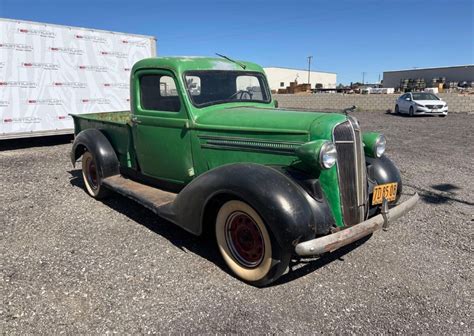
407	98
276	103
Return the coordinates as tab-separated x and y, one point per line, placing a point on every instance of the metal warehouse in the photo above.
279	78
451	75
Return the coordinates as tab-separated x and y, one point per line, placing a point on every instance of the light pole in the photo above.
309	69
363	78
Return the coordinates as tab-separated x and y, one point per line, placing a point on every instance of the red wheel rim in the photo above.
92	174
245	239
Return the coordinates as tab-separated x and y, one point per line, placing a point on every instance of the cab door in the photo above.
160	127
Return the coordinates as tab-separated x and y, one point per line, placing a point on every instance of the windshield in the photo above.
424	96
216	87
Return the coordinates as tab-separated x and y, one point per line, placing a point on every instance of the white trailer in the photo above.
49	71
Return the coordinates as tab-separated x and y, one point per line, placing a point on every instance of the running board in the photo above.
150	197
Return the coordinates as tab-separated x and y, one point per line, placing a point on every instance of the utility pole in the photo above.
309	69
363	77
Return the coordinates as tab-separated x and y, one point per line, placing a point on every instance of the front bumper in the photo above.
426	110
341	238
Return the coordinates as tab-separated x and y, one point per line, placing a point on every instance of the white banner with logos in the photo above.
49	71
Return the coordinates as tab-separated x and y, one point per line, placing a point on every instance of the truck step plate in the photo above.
150	197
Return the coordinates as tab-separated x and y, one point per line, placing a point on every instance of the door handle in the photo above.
135	120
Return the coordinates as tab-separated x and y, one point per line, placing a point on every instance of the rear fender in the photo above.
96	143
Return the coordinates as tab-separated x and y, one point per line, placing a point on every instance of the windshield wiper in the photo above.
234	61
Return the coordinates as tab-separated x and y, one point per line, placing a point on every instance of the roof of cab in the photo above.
187	63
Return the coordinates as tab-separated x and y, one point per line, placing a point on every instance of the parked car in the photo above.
416	103
200	150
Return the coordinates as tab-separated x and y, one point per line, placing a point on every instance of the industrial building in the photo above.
449	77
280	78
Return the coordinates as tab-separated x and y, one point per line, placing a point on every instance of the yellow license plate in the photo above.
389	191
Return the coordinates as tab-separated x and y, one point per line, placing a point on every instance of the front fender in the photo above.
382	170
288	210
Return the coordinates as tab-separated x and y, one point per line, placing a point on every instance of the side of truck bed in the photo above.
116	127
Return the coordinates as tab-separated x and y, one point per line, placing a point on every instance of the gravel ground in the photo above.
70	264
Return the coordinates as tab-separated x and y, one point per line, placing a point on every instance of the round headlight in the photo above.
328	155
380	146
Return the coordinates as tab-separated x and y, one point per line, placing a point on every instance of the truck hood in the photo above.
261	119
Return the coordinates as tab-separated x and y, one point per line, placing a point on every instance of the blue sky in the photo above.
346	37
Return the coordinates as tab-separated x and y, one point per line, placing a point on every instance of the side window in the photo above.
158	93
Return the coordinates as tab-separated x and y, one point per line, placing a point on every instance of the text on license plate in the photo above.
389	191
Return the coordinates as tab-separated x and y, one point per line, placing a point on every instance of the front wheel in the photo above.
248	246
411	111
397	109
91	176
443	115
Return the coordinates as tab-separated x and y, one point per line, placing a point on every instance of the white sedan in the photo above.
414	103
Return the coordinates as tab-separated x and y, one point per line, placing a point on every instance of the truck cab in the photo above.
169	101
205	147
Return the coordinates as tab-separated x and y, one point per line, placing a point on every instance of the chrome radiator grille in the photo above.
351	171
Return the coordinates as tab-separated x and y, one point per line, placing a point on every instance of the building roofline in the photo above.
47	24
277	67
431	68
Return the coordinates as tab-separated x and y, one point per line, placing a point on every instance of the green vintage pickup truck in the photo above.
206	147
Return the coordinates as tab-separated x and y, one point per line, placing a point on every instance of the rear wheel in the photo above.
91	176
248	246
411	111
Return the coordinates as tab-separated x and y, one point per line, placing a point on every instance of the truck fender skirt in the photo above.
382	170
284	206
332	242
99	146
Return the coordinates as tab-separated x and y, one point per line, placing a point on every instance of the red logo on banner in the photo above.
106	84
126	69
96	68
23	30
7	120
61	117
54	49
74	85
27	64
48	101
96	101
104	53
79	36
3	83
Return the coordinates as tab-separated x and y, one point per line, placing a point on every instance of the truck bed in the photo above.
116	127
118	117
